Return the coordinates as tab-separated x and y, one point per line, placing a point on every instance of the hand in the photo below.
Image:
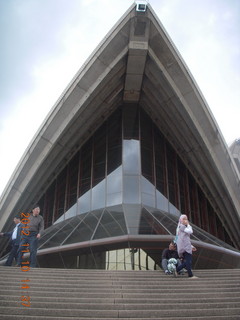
38	236
194	249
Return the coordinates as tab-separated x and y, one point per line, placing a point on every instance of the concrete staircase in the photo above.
70	294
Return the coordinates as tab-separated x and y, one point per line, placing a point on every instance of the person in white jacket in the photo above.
184	246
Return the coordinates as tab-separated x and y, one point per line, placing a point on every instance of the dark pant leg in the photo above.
33	242
181	265
23	247
12	255
188	263
164	264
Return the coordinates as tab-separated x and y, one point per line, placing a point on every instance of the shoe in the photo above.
193	277
167	272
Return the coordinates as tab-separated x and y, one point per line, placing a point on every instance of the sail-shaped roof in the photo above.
135	63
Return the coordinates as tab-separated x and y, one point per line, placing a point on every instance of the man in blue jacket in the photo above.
15	237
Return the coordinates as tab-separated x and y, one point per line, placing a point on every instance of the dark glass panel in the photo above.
93	260
60	194
199	234
191	185
72	184
183	187
147	164
160	161
85	229
203	210
132	213
62	234
117	213
85	167
99	155
114	158
209	238
47	210
114	142
148	193
172	178
227	238
147	147
220	229
150	225
194	216
49	233
167	220
130	122
46	205
41	205
110	225
212	220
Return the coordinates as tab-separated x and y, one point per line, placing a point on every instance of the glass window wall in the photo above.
128	160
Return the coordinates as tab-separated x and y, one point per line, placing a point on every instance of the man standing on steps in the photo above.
15	237
30	235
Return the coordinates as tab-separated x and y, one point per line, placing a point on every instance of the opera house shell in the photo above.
129	146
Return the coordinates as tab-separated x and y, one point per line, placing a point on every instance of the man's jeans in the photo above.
32	240
13	254
187	264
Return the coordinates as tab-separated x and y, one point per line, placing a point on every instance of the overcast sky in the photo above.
45	42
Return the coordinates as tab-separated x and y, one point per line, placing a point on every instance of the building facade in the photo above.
235	151
129	146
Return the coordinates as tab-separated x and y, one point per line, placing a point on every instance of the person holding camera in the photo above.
184	246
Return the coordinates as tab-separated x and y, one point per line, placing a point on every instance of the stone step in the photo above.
68	305
137	295
105	277
109	290
139	277
190	317
117	273
188	283
138	300
93	314
117	295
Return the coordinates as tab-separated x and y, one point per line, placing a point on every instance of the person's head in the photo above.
172	246
16	219
36	210
183	219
